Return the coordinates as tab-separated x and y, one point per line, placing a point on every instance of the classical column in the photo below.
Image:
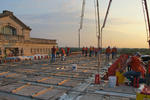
3	51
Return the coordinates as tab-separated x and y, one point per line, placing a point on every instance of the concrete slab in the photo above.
58	74
53	80
90	97
99	97
7	96
28	71
71	83
105	87
10	87
53	94
30	90
35	78
15	75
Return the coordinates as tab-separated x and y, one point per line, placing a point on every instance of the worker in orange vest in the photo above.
68	51
86	51
137	68
93	51
137	65
53	53
114	52
90	53
62	54
108	52
83	51
96	51
57	52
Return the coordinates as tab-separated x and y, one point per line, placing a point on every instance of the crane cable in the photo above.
145	20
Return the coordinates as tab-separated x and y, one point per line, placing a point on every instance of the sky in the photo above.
59	19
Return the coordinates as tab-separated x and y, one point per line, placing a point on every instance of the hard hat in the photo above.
138	54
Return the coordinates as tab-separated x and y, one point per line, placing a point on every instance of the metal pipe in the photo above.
81	21
105	19
98	35
148	20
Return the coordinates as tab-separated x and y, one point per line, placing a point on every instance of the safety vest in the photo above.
108	50
136	65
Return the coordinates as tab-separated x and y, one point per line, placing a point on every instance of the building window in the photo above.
41	50
9	30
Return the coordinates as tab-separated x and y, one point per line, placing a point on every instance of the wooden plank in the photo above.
64	81
44	79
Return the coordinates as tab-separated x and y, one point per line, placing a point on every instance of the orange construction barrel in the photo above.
97	79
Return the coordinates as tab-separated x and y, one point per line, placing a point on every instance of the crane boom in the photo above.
81	21
107	12
105	19
148	20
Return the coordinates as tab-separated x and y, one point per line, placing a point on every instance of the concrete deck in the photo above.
42	80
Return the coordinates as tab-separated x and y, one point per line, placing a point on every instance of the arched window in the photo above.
9	30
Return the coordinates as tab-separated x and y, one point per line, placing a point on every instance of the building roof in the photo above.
7	13
42	41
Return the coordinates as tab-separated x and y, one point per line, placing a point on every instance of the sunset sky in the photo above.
59	19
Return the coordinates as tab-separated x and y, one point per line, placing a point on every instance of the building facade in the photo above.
15	38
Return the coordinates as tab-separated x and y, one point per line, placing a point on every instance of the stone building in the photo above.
15	38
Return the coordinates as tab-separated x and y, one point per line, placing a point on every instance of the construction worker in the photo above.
96	51
137	68
114	52
86	51
57	52
62	54
93	51
83	51
68	51
107	52
90	53
99	50
53	54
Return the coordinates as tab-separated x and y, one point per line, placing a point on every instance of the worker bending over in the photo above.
137	69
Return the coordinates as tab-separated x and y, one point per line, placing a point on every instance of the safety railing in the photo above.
11	37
